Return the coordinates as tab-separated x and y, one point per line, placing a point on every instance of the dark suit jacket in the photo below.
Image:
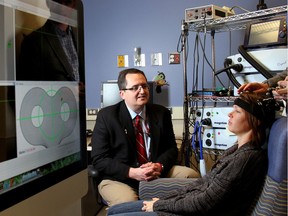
114	147
42	57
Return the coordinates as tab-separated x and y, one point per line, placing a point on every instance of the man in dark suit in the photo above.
114	152
50	52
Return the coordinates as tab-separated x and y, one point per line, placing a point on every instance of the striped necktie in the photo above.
140	144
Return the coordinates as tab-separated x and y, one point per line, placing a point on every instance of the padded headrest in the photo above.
277	150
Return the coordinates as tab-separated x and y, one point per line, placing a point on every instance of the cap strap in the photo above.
254	110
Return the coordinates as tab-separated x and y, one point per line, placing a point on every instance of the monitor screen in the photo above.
110	93
42	99
266	33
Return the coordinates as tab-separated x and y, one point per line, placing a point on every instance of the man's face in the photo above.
137	97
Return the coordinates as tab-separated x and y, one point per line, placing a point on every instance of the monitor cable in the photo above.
265	72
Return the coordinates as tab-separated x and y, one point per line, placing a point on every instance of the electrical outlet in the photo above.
92	111
174	58
91	114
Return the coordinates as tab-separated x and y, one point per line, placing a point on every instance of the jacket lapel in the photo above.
153	120
127	125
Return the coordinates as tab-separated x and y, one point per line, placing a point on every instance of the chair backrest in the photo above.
273	198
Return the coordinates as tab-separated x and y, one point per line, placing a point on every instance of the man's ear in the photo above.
121	93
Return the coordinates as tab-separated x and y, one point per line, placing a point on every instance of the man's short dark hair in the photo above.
122	76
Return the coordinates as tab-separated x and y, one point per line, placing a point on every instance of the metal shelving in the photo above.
227	24
212	99
236	22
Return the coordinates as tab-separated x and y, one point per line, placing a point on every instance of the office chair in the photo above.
273	198
94	181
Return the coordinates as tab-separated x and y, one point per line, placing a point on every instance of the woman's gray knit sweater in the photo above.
228	189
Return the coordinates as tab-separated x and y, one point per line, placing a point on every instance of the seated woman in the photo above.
235	179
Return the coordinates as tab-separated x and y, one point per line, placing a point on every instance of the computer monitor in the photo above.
109	93
42	127
266	33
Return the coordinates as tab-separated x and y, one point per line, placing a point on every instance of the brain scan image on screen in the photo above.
47	118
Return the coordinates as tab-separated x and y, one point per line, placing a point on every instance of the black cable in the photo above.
209	63
178	44
230	51
183	39
205	56
203	62
265	72
227	67
196	64
237	67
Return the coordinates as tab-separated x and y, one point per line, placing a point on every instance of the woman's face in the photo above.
238	122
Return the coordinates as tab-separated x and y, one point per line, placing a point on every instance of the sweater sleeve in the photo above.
272	82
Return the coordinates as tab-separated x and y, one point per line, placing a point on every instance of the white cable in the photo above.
202	167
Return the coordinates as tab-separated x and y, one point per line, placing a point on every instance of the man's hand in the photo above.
254	87
145	172
152	170
148	205
282	89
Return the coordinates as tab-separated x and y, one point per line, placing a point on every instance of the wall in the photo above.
116	27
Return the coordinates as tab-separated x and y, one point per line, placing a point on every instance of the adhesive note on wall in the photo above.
122	61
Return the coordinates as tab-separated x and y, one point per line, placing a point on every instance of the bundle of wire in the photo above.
197	136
